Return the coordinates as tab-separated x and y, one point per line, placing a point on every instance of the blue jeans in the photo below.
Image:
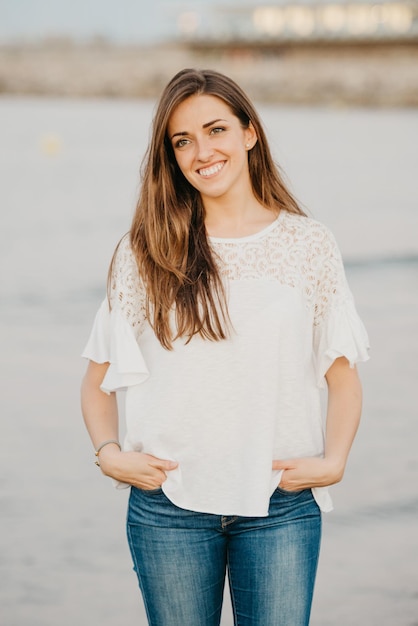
181	559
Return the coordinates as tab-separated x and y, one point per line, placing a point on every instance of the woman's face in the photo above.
211	146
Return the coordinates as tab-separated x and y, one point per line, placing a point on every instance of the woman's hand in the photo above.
135	468
343	416
100	414
309	472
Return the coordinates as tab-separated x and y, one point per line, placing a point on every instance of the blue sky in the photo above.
121	20
116	19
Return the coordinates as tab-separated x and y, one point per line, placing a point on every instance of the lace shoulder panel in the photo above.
299	252
127	291
332	290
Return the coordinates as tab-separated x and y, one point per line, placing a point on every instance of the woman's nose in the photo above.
204	149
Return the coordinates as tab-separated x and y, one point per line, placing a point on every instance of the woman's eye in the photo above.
181	143
216	130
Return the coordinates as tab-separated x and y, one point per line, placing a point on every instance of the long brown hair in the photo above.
168	235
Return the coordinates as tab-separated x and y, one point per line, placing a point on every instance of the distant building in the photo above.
296	22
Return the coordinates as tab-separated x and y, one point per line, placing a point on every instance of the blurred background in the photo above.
336	84
357	52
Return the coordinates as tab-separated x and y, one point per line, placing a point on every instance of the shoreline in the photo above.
372	75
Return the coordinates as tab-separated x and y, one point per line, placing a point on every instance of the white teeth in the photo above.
211	170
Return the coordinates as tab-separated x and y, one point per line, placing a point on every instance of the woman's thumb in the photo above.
163	464
170	465
278	465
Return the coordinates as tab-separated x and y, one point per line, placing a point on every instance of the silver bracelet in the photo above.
102	445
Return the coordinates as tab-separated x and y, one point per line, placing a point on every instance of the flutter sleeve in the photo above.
117	325
338	329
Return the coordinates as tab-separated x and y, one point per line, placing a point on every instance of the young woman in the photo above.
227	312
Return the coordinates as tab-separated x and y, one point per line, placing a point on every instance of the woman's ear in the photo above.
250	137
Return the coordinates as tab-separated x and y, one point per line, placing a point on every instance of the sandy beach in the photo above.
69	172
336	74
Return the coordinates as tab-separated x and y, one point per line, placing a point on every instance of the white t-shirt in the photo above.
224	410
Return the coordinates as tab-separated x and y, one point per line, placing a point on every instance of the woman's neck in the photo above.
237	220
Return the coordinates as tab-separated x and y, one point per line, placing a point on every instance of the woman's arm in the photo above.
343	417
343	414
100	413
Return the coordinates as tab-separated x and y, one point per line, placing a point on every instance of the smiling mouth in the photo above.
210	171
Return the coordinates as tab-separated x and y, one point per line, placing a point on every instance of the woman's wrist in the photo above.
336	467
100	447
108	459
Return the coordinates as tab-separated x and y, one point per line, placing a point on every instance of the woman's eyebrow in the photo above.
213	122
184	132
